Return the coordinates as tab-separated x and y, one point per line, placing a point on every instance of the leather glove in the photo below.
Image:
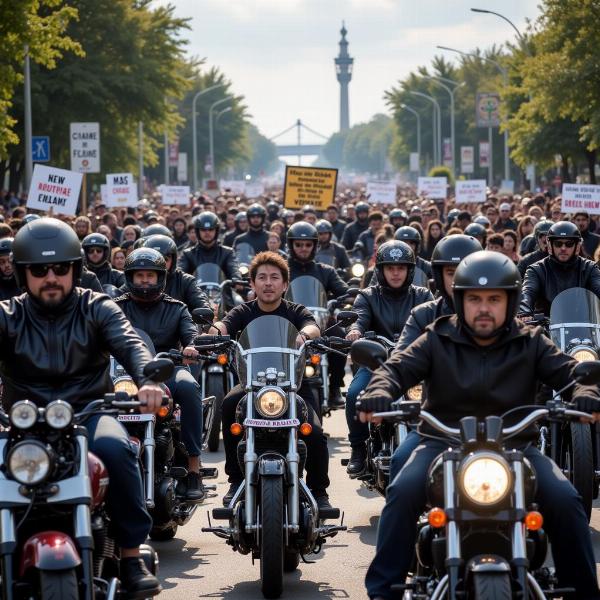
588	404
375	403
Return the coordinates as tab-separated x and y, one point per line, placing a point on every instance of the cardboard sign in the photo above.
507	186
254	190
85	147
119	179
467	159
121	190
414	162
432	187
235	186
182	171
580	197
56	189
176	194
381	192
309	185
484	155
470	191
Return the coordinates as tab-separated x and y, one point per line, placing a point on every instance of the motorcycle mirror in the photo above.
346	317
588	372
367	353
203	316
159	369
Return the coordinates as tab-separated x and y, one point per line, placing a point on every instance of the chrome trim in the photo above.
535	587
149	445
250	460
519	549
8	530
453	537
83	522
440	589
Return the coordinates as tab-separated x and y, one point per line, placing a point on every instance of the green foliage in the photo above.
333	150
262	156
441	171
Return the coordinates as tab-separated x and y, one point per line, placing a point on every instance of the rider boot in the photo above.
233	487
136	580
358	460
336	400
194	490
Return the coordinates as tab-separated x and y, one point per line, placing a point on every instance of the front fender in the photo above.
271	466
49	551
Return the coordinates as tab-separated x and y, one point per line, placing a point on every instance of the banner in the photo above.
182	174
467	159
484	155
85	147
579	197
432	187
487	110
176	194
55	189
470	191
309	185
414	162
236	187
381	192
174	153
254	189
447	152
507	186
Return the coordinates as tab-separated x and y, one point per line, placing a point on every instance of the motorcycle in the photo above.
244	253
211	279
273	514
50	477
482	536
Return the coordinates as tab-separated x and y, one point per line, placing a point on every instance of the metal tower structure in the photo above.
343	69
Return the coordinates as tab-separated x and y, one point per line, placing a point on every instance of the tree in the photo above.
367	144
333	149
262	158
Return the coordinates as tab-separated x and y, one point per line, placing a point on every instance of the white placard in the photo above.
176	194
182	174
414	162
85	147
119	179
254	189
580	197
467	159
237	187
56	189
470	191
432	187
381	192
507	186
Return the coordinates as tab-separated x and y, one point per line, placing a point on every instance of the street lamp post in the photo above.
437	144
194	138
211	134
28	126
222	112
414	112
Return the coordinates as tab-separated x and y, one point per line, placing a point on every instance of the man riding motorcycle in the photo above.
169	325
241	226
355	228
302	241
562	269
55	342
412	237
330	252
269	277
397	217
384	309
540	233
8	282
482	352
97	257
256	235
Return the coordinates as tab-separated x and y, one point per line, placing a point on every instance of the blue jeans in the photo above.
358	433
403	452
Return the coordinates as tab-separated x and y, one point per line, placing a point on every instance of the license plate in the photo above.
136	418
271	424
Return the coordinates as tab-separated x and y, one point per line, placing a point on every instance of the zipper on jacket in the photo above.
52	348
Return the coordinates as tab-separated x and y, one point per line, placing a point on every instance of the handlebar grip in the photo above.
208	340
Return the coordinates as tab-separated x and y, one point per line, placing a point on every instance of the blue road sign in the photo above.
40	148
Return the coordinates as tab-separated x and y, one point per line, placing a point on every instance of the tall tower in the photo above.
343	69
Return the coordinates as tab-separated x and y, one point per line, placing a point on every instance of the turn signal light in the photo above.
437	517
163	412
306	429
222	359
315	359
236	429
534	520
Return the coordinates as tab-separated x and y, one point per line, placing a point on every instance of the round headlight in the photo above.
244	270
271	402
358	270
29	463
126	385
415	393
23	414
584	355
59	414
485	478
309	371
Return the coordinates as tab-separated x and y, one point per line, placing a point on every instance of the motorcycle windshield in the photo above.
245	253
325	258
209	275
269	342
575	318
309	292
420	278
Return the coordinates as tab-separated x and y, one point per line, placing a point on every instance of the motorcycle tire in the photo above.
59	585
487	586
271	536
291	560
163	535
215	387
577	458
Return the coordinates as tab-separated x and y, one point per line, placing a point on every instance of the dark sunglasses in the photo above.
95	251
59	269
563	243
303	244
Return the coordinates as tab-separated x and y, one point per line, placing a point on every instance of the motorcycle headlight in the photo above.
59	414
485	478
271	402
357	270
23	414
126	385
29	463
309	371
584	355
244	270
415	393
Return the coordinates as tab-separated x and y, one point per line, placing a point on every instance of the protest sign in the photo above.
235	186
56	189
255	189
121	190
432	187
85	147
176	194
309	185
580	197
467	159
470	191
381	192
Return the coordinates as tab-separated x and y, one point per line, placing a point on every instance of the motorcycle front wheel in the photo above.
577	461
59	585
488	586
215	387
271	536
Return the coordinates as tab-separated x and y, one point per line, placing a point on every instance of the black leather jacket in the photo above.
425	266
183	287
351	233
257	239
167	322
327	275
547	278
590	243
365	244
89	281
223	256
384	312
107	275
9	288
65	354
529	259
335	251
420	317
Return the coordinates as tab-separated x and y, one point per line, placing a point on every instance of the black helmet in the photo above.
542	228
273	209
256	210
482	220
564	230
449	251
97	240
323	226
241	216
45	241
206	221
476	230
6	245
487	270
408	234
395	252
157	229
302	230
163	244
30	217
452	215
361	207
397	213
145	259
150	215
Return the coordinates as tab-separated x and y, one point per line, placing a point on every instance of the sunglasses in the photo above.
94	251
59	269
303	244
563	244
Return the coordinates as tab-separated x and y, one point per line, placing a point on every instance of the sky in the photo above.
279	54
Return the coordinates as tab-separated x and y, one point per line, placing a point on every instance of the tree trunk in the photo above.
15	168
591	158
564	169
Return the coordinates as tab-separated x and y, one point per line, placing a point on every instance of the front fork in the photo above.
519	561
453	551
